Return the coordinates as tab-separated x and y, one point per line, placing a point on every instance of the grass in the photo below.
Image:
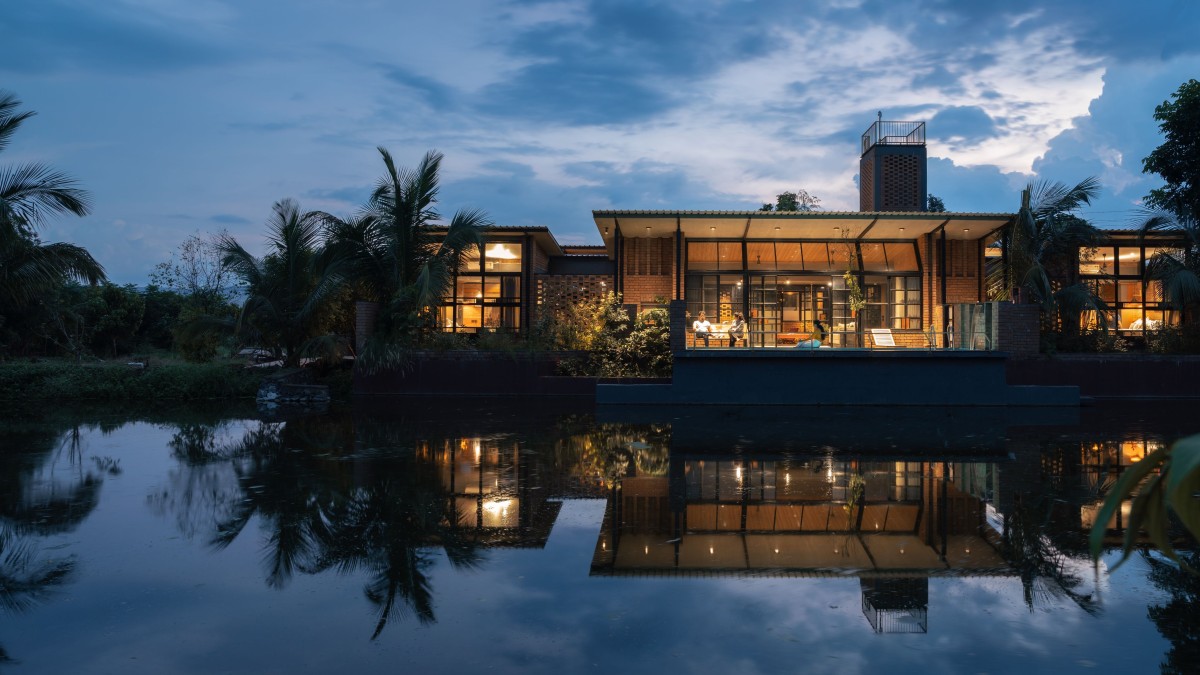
67	380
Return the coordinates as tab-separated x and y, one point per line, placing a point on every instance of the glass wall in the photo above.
1116	275
486	291
790	284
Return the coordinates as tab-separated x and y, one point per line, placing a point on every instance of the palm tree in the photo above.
397	253
287	288
29	195
1177	269
1042	246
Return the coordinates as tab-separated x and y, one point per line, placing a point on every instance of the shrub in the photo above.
67	381
1175	339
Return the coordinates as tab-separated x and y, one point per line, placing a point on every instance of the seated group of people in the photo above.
703	329
736	331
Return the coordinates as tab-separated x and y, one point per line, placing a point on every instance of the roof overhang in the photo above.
855	225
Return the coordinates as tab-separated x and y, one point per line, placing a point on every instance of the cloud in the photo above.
968	123
60	35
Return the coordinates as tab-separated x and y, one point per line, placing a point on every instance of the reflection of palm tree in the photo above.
25	580
1028	549
286	491
389	529
1176	619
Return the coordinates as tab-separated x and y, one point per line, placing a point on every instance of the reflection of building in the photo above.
894	521
493	489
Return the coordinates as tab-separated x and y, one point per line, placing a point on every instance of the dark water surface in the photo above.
517	537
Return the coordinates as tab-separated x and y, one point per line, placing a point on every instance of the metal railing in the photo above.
893	133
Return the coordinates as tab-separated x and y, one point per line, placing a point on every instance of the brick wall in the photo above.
647	270
561	290
1018	329
901	178
866	184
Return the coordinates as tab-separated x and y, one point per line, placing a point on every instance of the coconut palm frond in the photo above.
29	193
10	119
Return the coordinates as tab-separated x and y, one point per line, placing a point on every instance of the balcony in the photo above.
893	133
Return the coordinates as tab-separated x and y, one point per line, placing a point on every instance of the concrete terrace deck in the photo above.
901	377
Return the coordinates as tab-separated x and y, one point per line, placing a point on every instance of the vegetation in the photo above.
800	200
1042	247
1177	160
57	380
287	291
395	254
611	346
29	269
1166	482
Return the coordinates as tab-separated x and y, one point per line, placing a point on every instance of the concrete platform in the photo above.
901	377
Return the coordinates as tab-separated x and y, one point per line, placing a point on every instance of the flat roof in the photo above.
823	225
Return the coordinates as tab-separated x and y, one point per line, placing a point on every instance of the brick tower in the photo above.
892	175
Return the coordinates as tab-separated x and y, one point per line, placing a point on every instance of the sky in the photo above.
187	117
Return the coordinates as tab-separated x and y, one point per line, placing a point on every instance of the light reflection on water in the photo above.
461	537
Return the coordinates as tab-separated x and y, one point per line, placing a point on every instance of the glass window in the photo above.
470	260
503	257
1129	291
717	296
842	255
1106	289
902	257
1129	318
730	255
1154	291
1094	260
1129	260
905	303
816	257
873	259
789	256
702	255
469	287
760	255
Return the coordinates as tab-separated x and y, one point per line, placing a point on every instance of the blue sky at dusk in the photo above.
186	116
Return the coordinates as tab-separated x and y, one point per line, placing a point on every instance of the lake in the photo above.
534	536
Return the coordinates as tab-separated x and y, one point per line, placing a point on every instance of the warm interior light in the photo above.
777	550
710	550
498	507
500	252
646	550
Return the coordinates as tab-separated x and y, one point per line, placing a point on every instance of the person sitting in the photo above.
737	329
817	336
702	328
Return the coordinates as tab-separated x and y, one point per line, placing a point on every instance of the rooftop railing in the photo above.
893	133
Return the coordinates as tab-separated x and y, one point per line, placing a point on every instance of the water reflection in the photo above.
403	503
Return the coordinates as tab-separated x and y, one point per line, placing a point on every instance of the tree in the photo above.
1177	160
399	256
1177	269
1042	246
935	204
800	200
29	195
196	272
287	288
